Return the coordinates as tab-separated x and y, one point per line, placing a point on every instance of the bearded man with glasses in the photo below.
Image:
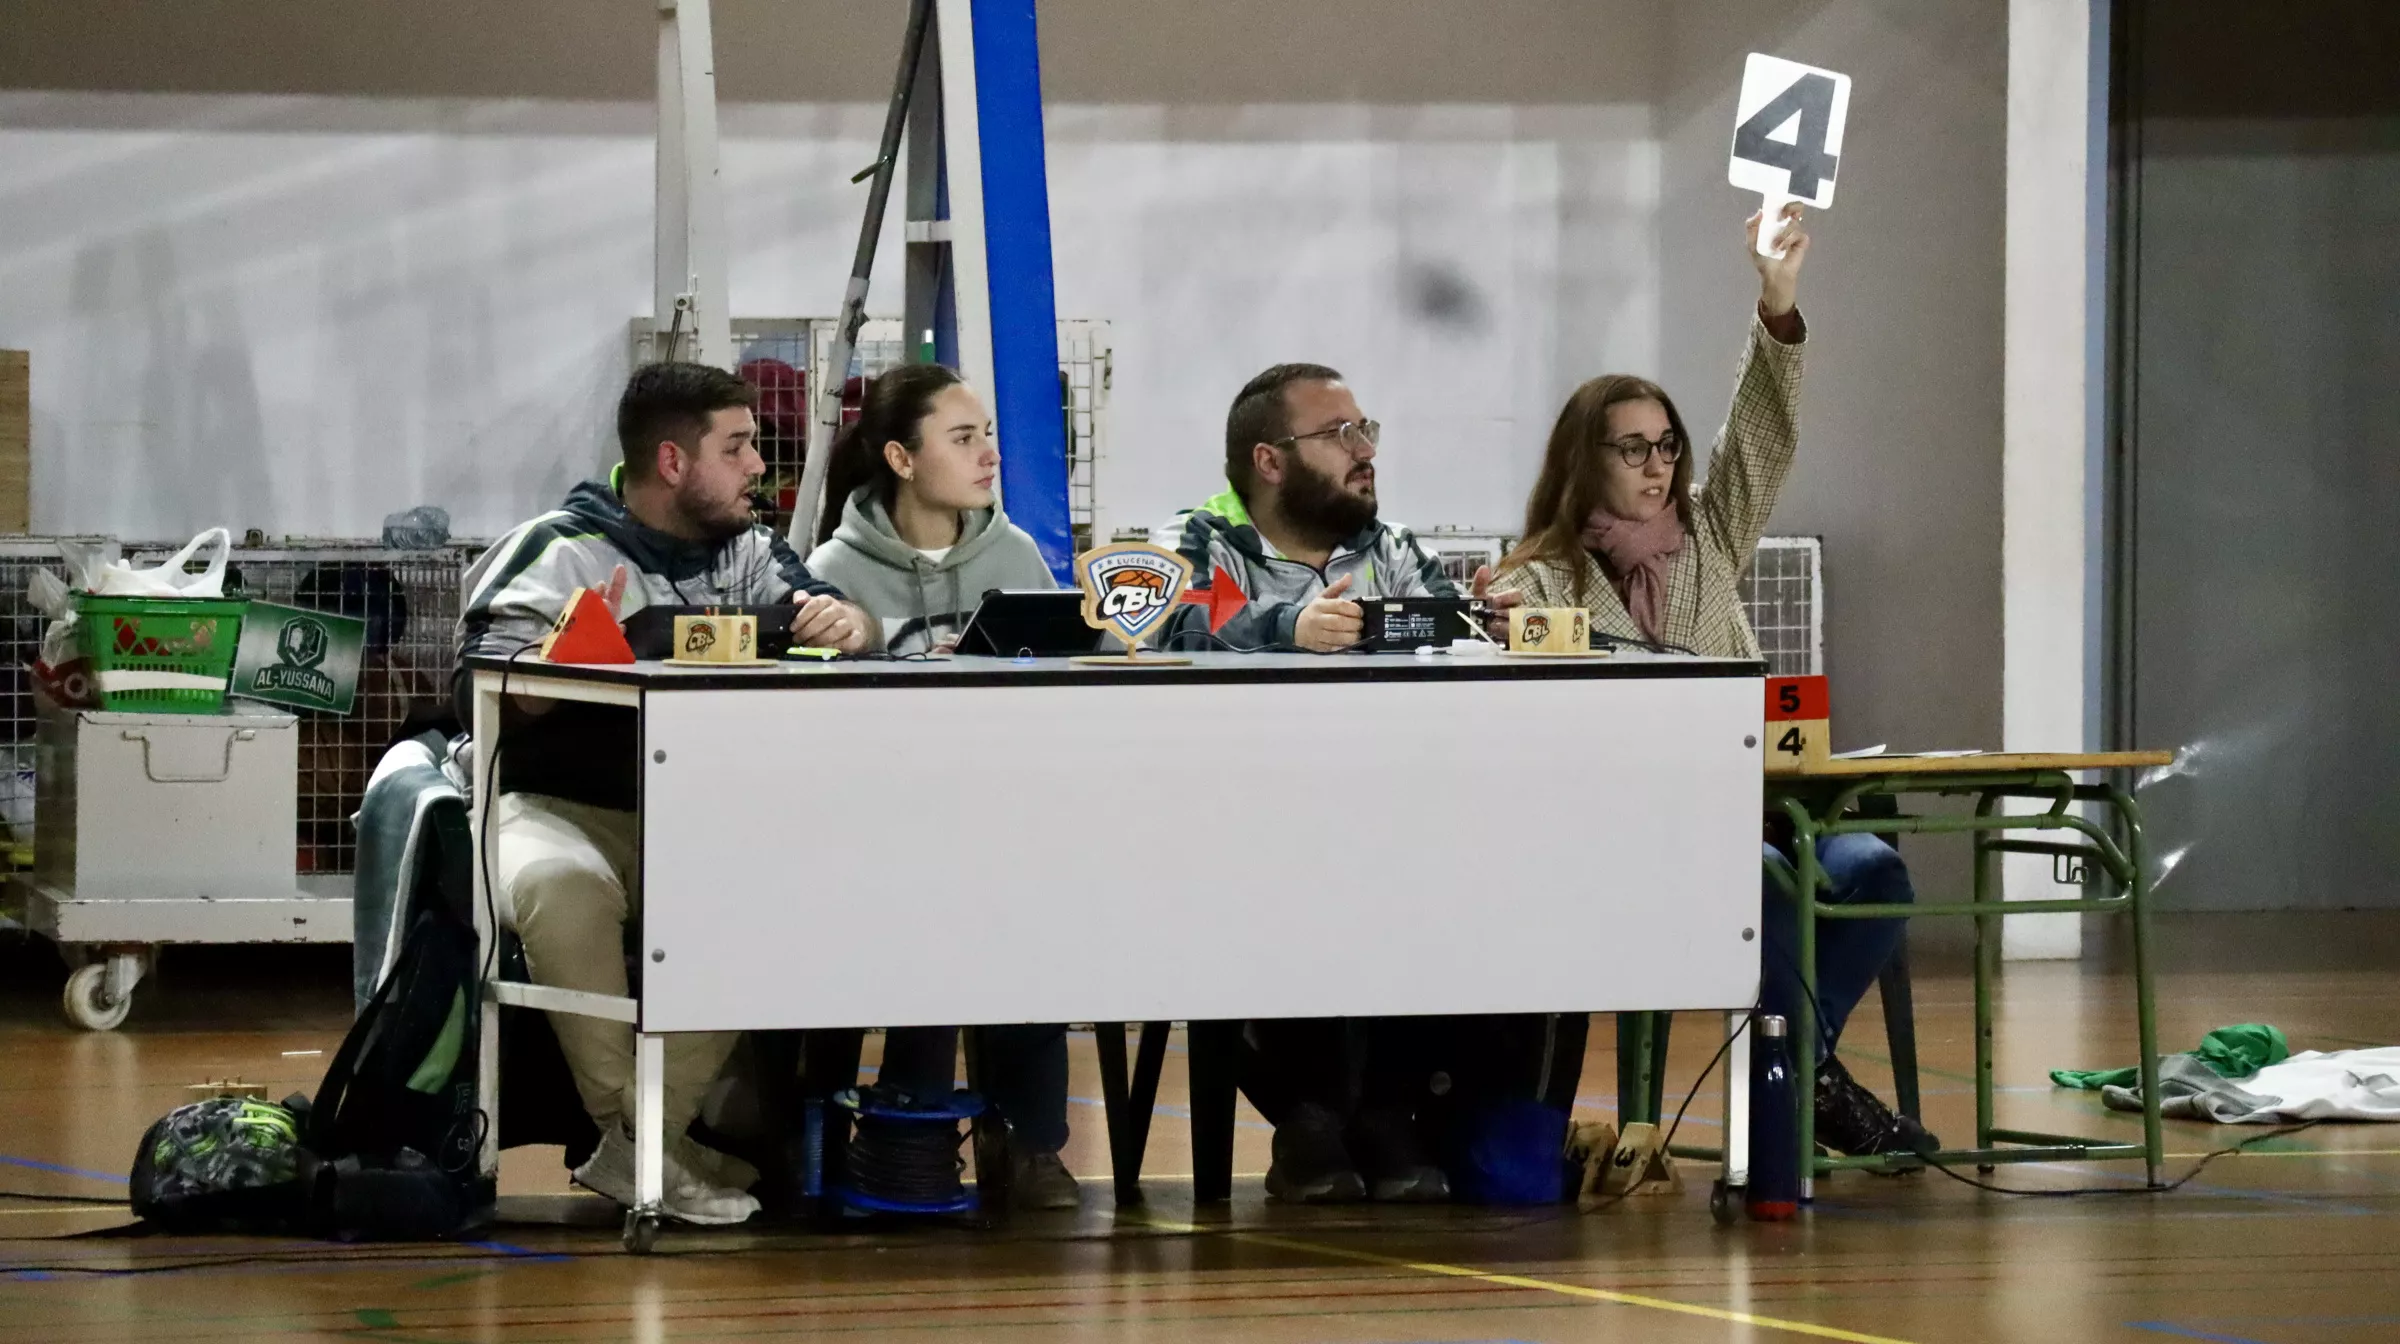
1296	528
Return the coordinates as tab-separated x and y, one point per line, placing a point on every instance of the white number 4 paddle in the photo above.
1787	138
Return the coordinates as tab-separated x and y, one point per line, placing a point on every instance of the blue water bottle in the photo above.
1774	1192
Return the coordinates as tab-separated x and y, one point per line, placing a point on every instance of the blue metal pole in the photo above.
1024	303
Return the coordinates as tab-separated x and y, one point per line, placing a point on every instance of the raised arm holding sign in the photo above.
1787	139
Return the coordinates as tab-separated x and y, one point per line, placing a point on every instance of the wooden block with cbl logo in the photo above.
730	638
1799	736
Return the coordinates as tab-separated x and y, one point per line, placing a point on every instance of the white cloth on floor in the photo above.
2311	1085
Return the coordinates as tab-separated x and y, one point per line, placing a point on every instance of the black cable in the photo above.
1707	1069
1635	642
2176	1184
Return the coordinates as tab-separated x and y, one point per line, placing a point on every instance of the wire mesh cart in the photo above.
77	795
164	828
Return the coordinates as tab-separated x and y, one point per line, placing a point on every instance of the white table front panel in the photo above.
897	857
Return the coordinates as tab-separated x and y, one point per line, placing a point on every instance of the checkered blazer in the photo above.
1753	454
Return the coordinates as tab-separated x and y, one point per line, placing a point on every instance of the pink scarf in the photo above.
1638	557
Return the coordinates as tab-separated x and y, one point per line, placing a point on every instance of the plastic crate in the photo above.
167	655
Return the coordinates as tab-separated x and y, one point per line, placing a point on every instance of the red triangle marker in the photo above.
586	633
1223	597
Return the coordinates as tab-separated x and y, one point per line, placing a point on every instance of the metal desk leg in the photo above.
1987	958
487	938
1806	1032
649	1139
2145	1005
1737	1100
1636	1033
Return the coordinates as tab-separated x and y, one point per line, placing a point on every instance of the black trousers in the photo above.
1436	1069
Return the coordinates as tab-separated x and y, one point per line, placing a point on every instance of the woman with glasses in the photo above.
1615	527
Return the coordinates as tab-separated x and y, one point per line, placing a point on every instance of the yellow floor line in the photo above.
2309	1152
1541	1285
68	1208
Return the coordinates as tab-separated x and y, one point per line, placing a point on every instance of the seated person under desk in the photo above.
1356	1104
673	526
915	533
1614	526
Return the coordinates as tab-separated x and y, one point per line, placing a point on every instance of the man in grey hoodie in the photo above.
673	525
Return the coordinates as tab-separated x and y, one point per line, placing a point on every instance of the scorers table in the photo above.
1250	835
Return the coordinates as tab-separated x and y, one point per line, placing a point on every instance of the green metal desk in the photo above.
1822	800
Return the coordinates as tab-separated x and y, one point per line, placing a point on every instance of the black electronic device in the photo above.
1018	622
1405	624
651	631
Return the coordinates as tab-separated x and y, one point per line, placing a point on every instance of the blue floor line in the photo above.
32	1165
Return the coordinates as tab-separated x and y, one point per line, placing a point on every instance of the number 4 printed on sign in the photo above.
1787	138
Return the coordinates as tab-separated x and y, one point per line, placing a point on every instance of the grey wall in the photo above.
1902	451
1172	51
2266	395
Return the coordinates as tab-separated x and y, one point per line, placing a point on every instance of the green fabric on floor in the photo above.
2232	1052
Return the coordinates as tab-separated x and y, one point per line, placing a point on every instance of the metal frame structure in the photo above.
691	290
980	293
2112	859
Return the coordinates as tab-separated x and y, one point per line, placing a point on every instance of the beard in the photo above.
717	520
1317	504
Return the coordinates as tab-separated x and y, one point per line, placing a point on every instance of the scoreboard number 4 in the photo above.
1787	136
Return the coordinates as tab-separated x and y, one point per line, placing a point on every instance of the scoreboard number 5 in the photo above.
1787	137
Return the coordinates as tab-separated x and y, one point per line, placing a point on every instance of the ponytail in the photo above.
893	406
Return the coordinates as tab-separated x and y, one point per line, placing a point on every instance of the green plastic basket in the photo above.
168	655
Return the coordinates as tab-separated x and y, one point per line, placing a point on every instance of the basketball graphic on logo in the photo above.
1130	588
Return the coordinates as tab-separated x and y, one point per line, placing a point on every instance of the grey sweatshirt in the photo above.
920	601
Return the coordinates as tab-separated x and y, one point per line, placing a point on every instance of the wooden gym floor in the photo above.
2279	1245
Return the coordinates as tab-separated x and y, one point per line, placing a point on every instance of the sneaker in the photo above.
1311	1165
1393	1159
1042	1181
713	1165
1854	1121
688	1199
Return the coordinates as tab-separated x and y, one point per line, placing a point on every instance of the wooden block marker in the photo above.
1549	630
716	639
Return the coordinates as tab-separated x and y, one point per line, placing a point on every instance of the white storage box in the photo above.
171	828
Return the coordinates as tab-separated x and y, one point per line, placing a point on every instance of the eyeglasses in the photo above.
1354	435
1634	450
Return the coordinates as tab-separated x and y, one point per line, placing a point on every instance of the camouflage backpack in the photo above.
224	1164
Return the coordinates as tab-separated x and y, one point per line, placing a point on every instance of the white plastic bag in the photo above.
167	578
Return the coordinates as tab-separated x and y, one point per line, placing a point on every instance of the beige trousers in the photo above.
572	873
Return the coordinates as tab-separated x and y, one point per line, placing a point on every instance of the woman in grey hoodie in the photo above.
920	539
920	536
